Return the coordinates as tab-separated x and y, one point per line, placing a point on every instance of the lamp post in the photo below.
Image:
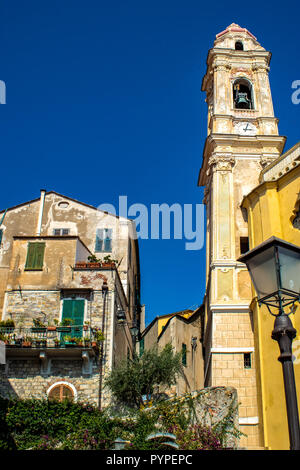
274	268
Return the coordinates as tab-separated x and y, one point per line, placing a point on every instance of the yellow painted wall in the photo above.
270	208
163	320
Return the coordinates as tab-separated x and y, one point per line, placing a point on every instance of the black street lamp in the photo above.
274	267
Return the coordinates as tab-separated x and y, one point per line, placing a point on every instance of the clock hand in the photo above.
246	128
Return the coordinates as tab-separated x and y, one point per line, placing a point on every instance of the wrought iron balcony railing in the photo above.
52	337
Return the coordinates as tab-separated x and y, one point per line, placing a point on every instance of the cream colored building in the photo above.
242	138
46	276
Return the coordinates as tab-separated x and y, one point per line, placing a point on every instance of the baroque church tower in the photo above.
242	137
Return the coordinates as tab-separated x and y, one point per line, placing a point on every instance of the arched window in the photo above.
61	391
239	46
242	94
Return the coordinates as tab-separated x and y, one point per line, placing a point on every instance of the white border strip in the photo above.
229	308
248	421
231	350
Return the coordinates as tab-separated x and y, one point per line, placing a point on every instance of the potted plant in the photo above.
87	341
69	341
86	325
38	326
53	327
93	262
9	323
98	337
27	342
65	325
56	343
4	338
108	262
79	342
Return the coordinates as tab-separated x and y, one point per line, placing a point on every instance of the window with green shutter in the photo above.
103	240
142	346
183	354
35	256
1	235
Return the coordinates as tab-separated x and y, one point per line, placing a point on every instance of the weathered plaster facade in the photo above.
240	142
181	329
28	293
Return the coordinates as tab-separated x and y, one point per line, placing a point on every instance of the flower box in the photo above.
38	329
108	265
93	265
80	265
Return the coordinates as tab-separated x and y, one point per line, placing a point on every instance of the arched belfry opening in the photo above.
242	94
239	46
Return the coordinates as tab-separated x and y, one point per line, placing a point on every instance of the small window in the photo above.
247	361
244	245
1	235
35	256
61	231
60	393
239	46
183	354
103	240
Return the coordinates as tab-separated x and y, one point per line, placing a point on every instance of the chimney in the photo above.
42	200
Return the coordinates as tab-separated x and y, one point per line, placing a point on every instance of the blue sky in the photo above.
104	99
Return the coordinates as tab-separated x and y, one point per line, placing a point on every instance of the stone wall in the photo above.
22	379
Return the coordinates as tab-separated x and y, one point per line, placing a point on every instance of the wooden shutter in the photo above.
107	241
183	352
99	240
35	256
74	309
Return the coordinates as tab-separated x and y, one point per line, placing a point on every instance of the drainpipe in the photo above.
42	201
104	294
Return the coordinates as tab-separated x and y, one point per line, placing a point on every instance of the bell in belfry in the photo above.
242	101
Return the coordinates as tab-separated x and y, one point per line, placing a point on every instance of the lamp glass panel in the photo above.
290	269
262	269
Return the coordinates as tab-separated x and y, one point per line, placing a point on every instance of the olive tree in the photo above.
142	376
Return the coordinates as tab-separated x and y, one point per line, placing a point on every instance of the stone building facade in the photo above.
47	277
184	331
242	138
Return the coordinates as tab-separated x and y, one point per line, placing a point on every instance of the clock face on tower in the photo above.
245	128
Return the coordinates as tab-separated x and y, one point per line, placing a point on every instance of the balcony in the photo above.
47	343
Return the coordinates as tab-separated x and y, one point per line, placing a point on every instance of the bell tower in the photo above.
242	137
